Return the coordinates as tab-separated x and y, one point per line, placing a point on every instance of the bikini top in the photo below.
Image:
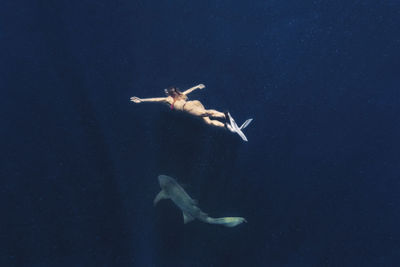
172	105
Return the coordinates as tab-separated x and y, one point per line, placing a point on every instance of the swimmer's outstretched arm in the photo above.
154	99
188	91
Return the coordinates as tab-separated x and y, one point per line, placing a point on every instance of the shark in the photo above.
170	189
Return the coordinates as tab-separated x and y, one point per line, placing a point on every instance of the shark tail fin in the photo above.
226	221
160	196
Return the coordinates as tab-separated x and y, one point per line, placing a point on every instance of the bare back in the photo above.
193	107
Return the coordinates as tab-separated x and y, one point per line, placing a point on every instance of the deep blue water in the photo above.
318	181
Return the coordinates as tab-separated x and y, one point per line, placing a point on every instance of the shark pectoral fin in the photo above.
159	197
187	218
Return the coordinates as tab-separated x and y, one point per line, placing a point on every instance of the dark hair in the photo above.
174	92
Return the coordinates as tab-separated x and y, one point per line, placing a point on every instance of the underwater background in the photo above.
318	181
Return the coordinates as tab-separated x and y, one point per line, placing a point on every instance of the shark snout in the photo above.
165	181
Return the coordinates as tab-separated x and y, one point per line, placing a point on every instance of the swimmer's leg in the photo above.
213	122
197	109
206	113
218	124
214	113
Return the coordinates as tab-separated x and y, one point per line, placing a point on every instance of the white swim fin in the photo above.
236	128
245	124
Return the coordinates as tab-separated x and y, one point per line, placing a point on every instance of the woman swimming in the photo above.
179	101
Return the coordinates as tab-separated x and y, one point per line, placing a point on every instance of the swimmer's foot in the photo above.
228	122
226	113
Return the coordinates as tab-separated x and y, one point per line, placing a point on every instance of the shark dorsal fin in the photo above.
187	218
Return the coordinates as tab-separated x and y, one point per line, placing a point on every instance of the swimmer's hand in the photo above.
136	99
199	86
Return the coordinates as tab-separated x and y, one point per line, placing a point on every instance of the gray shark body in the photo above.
170	189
